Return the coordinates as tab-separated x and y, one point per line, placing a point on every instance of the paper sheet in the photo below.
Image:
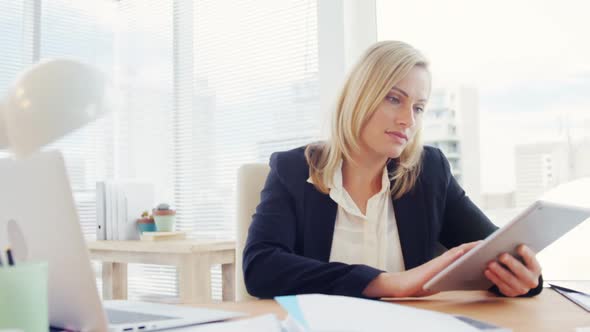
340	313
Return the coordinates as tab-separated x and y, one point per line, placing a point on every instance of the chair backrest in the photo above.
251	178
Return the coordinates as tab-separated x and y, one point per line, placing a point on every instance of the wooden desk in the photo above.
547	312
192	258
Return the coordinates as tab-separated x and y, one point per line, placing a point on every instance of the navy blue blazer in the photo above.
290	238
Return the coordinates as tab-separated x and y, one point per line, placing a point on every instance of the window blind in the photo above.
244	84
12	58
255	91
200	101
70	29
144	78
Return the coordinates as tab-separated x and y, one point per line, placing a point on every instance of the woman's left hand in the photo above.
514	277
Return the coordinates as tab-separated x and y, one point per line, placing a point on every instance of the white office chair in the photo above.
251	178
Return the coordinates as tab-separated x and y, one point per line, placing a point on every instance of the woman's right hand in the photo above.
411	282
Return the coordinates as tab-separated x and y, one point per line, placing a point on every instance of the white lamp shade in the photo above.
49	100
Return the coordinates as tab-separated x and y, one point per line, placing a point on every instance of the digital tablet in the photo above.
537	227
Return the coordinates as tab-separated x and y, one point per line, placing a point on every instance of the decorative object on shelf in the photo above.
146	223
164	217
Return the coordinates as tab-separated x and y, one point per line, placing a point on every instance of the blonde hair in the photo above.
381	67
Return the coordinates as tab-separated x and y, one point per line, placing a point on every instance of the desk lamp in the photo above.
48	101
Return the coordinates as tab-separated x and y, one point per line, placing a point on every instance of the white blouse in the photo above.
370	239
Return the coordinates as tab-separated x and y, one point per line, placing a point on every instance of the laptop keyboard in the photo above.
125	317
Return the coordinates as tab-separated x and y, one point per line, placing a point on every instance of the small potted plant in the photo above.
146	223
164	217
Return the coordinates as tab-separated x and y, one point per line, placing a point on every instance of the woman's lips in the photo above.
397	136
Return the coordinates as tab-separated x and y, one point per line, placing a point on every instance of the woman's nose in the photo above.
406	116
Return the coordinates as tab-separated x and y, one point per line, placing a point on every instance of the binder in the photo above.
118	206
100	211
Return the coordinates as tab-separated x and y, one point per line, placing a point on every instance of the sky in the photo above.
529	61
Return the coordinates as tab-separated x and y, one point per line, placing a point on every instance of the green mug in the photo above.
23	297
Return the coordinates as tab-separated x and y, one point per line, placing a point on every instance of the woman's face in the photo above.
396	120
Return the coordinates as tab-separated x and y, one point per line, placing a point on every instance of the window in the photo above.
82	32
143	135
514	85
254	91
200	100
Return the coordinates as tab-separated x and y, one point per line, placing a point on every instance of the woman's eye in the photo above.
392	99
419	109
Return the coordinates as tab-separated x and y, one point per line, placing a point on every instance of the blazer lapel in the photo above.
412	226
320	215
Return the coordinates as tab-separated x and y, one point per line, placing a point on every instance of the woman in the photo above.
361	214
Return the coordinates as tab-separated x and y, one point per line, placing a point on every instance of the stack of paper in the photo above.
576	292
316	312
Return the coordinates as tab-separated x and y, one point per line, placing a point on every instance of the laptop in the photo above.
39	221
